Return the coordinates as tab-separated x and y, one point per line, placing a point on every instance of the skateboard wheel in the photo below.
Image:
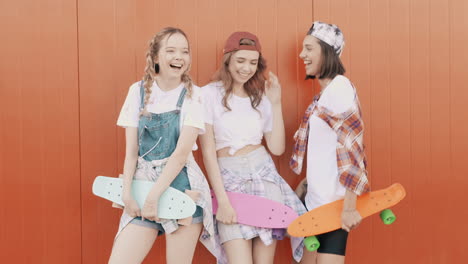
311	243
387	216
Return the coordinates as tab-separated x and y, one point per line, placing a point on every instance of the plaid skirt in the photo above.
255	173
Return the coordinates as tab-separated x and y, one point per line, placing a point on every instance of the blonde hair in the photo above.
152	52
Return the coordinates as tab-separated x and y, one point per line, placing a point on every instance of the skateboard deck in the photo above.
327	218
258	211
173	204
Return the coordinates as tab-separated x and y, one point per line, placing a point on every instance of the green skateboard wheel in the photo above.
311	243
387	216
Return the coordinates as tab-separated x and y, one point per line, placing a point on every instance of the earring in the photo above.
156	67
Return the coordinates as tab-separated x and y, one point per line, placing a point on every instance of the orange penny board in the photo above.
327	217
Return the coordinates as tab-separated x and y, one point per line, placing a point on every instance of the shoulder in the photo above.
341	86
135	86
339	95
134	90
212	89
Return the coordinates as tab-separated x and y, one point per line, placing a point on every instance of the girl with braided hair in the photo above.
163	116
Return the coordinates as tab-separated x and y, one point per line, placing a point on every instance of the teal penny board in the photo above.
173	204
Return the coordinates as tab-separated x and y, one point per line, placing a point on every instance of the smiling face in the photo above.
311	54
173	56
243	65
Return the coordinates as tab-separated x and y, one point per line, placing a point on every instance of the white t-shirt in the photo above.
163	101
241	126
322	169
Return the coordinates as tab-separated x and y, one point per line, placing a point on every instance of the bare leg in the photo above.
308	257
133	244
180	245
239	251
263	254
323	258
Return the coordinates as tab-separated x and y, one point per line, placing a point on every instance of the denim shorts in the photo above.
158	226
181	183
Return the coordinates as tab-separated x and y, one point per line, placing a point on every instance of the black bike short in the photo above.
333	242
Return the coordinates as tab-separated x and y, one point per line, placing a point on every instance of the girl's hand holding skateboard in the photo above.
150	208
131	206
226	214
350	219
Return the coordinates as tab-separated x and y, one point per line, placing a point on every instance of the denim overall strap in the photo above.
180	102
142	96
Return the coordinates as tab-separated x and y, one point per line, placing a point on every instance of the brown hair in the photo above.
254	87
152	53
331	62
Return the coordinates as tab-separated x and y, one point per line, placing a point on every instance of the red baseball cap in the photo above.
233	42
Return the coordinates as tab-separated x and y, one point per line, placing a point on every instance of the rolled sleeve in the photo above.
130	112
194	115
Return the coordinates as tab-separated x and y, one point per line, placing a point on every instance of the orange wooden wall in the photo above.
66	66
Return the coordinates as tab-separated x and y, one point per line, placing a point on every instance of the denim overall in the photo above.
157	139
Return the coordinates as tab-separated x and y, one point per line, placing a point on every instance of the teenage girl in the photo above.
241	109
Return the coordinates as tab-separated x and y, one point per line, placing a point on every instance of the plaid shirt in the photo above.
350	156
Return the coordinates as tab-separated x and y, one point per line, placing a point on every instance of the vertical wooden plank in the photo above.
458	29
12	239
439	88
380	125
31	143
419	189
400	128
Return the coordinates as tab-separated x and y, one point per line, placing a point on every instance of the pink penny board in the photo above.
258	211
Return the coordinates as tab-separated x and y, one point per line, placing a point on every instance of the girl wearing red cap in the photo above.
163	116
332	134
242	108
